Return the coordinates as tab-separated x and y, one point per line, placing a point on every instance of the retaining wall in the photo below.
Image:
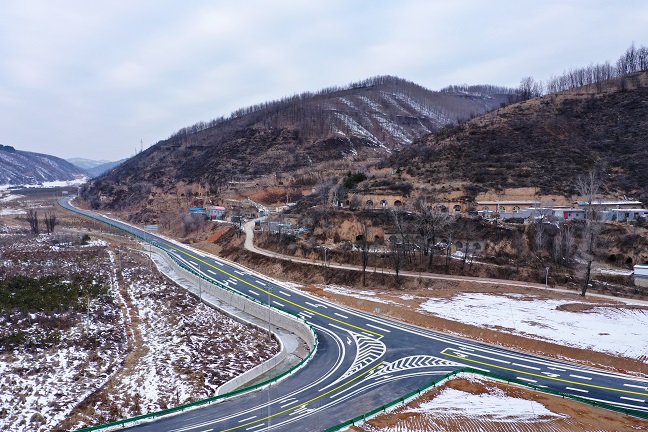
255	308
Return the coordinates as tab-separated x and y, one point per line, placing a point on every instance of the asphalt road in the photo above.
363	361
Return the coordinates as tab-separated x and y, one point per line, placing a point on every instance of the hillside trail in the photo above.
250	246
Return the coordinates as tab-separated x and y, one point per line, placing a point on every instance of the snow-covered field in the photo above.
491	408
614	330
145	346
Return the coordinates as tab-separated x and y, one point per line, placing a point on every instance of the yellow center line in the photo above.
270	293
546	376
304	403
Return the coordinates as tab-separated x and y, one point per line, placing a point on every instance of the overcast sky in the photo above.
92	78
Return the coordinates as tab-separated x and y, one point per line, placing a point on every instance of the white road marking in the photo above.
552	375
212	272
277	303
289	403
285	293
481	356
556	369
232	281
378	328
254	293
526	366
340	315
316	305
338	327
581	377
239	272
218	263
308	314
348	340
256	427
246	419
481	369
259	282
637	386
632	399
527	379
578	390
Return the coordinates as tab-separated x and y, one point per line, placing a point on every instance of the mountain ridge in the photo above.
19	167
361	122
544	142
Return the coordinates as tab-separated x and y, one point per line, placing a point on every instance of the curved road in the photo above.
363	362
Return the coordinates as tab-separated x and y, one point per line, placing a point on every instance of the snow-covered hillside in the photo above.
27	168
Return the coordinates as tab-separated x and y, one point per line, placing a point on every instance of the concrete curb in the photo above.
272	316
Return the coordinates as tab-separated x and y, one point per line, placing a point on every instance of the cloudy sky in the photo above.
94	78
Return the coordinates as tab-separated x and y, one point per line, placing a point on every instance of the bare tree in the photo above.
430	221
588	187
396	255
50	222
558	247
364	248
590	233
530	88
32	219
569	242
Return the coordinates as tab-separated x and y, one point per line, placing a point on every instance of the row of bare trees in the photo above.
633	60
49	219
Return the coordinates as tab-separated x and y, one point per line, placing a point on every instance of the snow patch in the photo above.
617	331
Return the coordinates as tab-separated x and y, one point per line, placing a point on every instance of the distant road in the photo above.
249	245
363	361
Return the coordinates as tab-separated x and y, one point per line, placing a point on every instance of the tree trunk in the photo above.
587	277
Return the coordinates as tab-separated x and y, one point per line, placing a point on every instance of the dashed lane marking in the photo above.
526	366
464	359
632	399
289	403
247	419
577	389
302	405
527	379
378	328
637	386
581	377
270	293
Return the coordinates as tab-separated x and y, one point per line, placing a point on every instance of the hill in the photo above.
86	164
544	142
27	168
361	122
97	170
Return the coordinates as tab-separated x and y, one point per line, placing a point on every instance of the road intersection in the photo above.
362	361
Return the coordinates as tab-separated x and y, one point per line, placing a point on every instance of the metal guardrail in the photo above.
212	399
418	391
